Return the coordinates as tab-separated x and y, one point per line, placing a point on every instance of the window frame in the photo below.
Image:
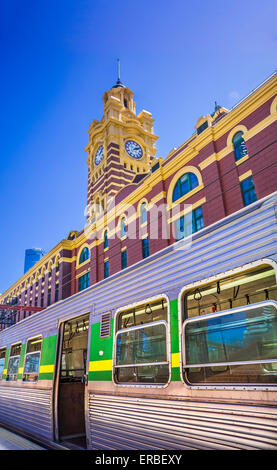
18	343
181	321
105	239
80	261
106	266
57	292
34	352
82	276
143	213
3	348
238	146
123	226
248	190
190	184
193	223
168	340
124	258
223	313
143	247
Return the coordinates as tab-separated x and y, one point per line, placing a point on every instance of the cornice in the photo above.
230	120
63	244
133	124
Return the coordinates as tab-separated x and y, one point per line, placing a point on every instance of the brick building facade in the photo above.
229	162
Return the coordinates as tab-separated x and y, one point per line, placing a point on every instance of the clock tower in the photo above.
121	148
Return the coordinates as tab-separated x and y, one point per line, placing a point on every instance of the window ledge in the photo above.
186	196
241	160
80	265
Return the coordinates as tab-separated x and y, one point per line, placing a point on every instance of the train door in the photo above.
71	382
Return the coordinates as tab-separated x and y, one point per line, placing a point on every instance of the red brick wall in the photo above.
221	190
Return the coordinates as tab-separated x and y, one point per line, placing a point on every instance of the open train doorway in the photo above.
71	382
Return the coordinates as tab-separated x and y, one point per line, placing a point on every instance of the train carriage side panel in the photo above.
175	353
48	357
184	414
101	350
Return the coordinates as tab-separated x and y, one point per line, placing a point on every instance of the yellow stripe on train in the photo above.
46	369
175	360
99	366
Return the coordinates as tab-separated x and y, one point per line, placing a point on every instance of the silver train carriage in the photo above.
178	351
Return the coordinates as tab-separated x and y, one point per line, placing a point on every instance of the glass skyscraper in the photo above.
32	255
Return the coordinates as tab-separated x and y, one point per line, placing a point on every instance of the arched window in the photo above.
84	255
123	227
143	213
239	146
57	263
184	185
106	240
50	269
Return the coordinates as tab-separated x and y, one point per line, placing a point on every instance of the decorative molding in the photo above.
245	175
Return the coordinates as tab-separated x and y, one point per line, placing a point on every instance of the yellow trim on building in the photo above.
64	244
245	175
241	160
273	107
185	197
177	176
185	210
228	125
208	161
78	264
82	273
233	132
247	135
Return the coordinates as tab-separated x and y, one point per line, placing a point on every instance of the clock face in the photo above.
133	149
99	155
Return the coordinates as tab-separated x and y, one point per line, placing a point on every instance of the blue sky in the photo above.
58	57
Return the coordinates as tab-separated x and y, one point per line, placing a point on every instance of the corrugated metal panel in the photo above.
29	409
135	423
130	423
237	241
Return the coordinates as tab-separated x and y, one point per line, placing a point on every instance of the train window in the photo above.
146	313
2	361
141	350
32	360
74	350
13	364
247	287
235	347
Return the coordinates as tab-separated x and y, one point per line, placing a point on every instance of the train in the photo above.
176	352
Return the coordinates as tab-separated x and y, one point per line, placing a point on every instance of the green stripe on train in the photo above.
100	361
48	353
174	330
101	352
21	362
6	363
